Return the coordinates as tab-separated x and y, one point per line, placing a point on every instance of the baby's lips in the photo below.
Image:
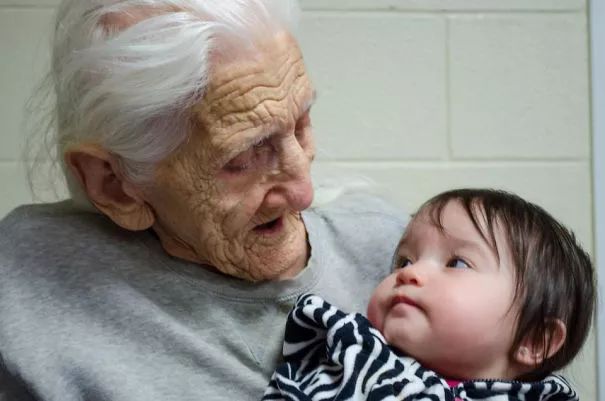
398	299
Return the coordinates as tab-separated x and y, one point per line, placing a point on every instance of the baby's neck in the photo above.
505	372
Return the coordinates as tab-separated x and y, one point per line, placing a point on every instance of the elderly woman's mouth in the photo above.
270	227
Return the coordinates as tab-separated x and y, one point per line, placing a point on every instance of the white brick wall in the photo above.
415	95
597	28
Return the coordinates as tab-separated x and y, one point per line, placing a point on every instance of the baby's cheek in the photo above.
375	315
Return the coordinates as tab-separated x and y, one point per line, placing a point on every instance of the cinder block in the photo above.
564	189
444	5
24	45
519	86
381	84
581	373
16	192
30	3
412	5
16	189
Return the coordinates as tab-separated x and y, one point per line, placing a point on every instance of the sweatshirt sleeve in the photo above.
12	388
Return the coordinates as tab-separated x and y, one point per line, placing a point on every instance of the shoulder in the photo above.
59	263
33	220
47	244
51	228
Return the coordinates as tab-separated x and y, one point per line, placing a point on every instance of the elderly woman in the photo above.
184	131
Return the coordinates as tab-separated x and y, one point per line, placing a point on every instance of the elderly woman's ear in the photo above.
101	179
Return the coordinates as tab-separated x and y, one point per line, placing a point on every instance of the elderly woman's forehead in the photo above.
269	56
275	82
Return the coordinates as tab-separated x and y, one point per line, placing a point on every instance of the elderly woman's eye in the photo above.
260	143
236	168
458	263
257	155
302	125
240	163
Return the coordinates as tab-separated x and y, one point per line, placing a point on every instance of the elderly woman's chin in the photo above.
276	250
270	251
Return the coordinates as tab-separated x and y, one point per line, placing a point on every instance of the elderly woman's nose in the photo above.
300	193
292	190
294	176
294	194
298	179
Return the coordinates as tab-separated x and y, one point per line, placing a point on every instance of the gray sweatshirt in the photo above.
89	311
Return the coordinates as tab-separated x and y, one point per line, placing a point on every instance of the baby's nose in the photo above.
410	275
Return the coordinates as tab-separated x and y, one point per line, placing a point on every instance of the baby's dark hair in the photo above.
554	275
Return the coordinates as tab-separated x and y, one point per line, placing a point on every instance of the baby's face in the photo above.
448	301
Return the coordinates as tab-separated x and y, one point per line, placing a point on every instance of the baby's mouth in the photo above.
401	299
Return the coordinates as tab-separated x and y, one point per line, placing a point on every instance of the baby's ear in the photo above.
533	351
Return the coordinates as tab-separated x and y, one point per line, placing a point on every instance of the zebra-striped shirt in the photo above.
332	355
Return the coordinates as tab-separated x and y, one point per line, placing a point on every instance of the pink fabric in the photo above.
453	383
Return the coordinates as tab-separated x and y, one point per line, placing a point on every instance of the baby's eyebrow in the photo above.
404	238
474	246
394	259
464	242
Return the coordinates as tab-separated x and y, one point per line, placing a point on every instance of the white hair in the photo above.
125	73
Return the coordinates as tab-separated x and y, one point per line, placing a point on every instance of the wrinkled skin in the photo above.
247	163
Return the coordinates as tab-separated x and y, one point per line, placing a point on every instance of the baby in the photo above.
488	296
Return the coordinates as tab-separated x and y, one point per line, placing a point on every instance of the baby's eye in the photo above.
402	262
458	263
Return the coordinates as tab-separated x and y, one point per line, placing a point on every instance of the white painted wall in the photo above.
416	95
597	13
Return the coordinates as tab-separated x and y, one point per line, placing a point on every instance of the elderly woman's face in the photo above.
231	196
